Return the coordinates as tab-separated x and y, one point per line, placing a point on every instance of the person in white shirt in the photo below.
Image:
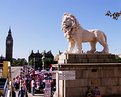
32	86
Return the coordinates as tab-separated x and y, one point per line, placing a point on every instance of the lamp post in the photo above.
43	62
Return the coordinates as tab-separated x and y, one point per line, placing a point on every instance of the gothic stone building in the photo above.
40	60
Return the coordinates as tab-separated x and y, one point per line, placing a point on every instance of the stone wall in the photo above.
106	76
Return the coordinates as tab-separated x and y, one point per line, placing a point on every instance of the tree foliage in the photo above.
19	62
114	15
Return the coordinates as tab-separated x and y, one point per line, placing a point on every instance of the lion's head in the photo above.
69	25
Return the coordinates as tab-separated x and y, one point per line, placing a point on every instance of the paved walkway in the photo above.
30	95
36	95
15	71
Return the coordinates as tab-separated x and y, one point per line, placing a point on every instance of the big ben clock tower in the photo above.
9	46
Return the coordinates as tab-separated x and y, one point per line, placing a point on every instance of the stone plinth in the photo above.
87	58
102	71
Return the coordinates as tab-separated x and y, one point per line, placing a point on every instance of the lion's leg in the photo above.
105	47
79	48
71	46
93	47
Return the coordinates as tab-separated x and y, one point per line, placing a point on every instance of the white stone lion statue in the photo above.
76	35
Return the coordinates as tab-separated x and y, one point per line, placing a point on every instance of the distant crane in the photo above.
114	15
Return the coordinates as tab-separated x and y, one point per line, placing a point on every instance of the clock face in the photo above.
8	42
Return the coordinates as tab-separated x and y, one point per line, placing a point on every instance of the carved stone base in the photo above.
91	70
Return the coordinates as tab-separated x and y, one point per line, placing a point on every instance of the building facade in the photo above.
41	60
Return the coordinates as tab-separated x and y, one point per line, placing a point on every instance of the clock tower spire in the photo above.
9	46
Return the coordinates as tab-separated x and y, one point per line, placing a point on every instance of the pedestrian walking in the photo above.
21	92
32	87
13	92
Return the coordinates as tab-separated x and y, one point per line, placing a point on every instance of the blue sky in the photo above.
36	24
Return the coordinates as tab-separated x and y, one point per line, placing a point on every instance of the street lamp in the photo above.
43	62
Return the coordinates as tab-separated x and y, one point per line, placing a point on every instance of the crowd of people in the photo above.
30	81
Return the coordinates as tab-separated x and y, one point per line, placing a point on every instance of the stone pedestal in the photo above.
101	70
87	58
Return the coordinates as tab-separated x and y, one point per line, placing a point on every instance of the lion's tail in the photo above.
105	37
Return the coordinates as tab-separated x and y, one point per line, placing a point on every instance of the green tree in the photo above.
20	62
